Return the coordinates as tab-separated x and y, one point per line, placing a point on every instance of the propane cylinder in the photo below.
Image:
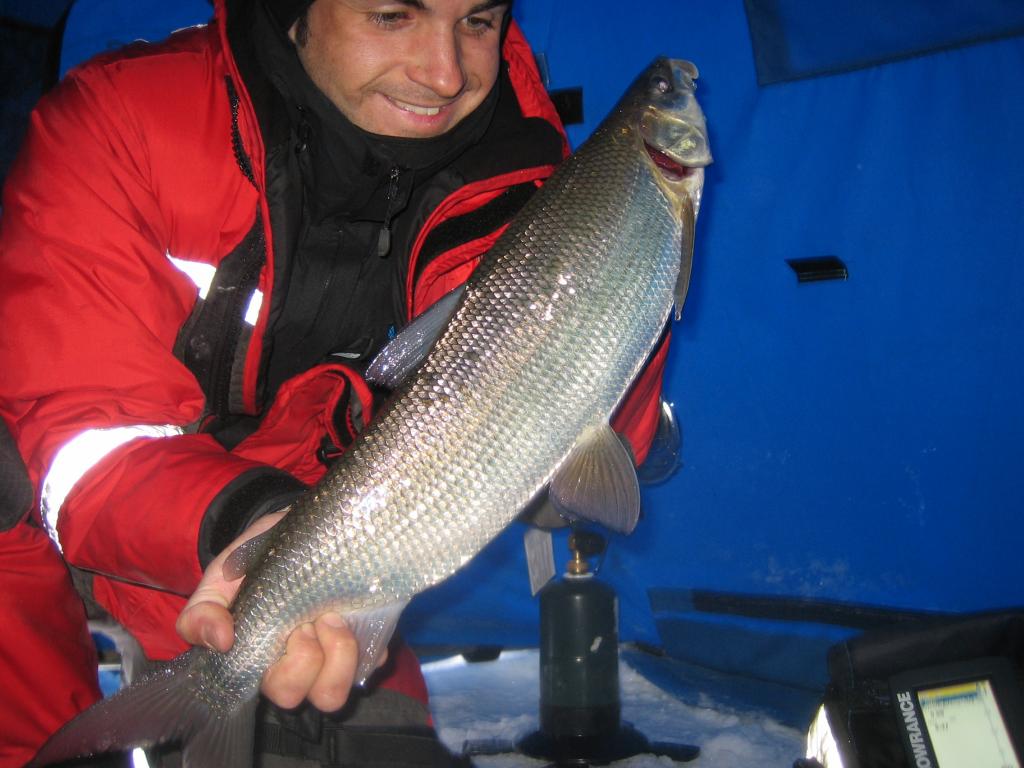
579	652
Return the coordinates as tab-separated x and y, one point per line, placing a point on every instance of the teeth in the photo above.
416	110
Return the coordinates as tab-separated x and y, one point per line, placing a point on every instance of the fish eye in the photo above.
661	84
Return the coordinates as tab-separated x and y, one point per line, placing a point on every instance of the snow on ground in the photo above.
499	700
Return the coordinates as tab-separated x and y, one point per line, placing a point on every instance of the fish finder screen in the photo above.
965	726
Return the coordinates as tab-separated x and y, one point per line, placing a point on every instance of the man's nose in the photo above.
438	64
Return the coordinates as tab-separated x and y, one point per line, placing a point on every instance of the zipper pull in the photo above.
304	132
384	238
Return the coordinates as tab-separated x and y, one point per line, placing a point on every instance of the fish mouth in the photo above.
670	168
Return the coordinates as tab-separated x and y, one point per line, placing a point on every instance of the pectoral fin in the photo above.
685	256
373	628
404	353
246	555
598	482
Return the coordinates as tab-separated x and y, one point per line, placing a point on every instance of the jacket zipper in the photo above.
241	157
384	238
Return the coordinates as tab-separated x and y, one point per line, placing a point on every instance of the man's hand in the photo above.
320	658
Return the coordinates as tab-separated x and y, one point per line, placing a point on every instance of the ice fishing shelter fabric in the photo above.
793	39
852	440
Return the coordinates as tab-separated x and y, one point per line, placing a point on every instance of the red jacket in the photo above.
129	172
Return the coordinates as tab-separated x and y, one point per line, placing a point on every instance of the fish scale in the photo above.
551	330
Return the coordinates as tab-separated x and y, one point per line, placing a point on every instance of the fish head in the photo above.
663	107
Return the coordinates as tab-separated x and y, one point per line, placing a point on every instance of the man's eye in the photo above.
388	18
480	24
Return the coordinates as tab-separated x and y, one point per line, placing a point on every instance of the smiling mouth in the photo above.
415	108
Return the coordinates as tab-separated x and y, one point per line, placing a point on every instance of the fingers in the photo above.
207	623
341	653
319	664
289	679
320	658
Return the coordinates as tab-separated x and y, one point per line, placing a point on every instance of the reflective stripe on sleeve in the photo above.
79	455
201	274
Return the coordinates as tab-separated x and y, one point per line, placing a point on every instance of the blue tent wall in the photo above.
854	440
100	25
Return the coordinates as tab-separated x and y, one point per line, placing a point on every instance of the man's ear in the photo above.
298	32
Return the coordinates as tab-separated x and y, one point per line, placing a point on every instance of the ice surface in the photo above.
499	700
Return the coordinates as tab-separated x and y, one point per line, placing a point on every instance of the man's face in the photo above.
409	68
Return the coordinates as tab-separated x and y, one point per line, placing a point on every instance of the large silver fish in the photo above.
513	398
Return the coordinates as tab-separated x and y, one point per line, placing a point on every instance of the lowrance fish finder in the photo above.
963	715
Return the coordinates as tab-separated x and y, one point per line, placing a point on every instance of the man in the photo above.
204	241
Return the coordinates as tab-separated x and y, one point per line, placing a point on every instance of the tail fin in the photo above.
161	707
